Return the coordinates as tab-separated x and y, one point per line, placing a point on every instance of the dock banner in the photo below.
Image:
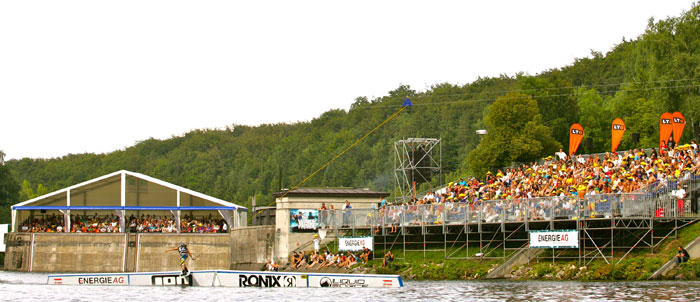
303	220
554	239
355	244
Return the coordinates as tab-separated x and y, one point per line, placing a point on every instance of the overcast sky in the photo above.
97	76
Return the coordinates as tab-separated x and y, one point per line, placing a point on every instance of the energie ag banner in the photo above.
554	239
355	244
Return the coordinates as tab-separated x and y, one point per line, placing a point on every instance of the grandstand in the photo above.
616	201
126	201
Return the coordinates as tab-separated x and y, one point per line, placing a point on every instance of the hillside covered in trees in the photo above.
527	117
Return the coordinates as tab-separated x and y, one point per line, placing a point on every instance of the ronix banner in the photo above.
354	244
303	220
554	239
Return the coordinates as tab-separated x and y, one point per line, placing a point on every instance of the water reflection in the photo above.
31	287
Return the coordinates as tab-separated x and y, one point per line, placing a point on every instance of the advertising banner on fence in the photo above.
554	239
303	220
355	244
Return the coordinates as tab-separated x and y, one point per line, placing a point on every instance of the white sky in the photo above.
97	76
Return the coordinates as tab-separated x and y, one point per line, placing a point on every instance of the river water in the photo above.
32	287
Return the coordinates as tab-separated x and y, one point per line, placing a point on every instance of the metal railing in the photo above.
627	205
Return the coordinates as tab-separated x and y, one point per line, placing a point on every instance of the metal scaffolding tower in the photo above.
416	161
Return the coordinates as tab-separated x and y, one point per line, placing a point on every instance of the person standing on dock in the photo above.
184	252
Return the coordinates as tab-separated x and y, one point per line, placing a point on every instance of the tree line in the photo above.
527	117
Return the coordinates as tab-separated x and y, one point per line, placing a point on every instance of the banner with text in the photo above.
355	244
303	220
618	130
575	137
665	128
554	239
678	126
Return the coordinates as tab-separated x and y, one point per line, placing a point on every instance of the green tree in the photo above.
515	134
595	118
9	191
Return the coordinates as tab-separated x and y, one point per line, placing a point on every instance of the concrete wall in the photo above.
90	253
247	247
251	246
211	251
17	251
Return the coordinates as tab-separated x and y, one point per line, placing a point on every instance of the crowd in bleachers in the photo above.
55	223
624	172
166	224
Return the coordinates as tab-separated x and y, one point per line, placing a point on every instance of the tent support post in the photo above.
177	216
66	220
122	222
66	214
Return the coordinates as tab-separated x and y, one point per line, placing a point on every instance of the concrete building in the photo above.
309	199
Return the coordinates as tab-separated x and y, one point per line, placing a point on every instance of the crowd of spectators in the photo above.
166	224
625	172
55	223
326	259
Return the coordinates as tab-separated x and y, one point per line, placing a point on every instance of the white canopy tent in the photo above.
123	191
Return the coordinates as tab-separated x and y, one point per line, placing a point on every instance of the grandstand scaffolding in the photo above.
610	226
416	161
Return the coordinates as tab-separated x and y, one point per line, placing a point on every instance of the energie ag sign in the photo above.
554	239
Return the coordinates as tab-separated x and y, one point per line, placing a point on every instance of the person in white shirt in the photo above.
317	243
561	154
680	195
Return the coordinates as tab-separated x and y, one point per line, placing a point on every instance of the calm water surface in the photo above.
32	287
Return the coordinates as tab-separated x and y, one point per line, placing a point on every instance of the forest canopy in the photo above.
527	117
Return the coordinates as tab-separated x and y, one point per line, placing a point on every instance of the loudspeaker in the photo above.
588	143
635	137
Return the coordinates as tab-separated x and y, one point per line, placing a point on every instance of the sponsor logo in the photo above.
100	280
618	127
556	237
387	283
171	280
266	281
577	131
341	282
678	120
665	121
57	281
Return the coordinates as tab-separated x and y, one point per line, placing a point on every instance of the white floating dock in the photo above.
228	278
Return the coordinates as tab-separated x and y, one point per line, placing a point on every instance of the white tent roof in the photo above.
136	175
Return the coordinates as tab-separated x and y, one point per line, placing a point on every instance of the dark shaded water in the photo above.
32	287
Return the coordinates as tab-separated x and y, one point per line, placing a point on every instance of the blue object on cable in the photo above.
407	102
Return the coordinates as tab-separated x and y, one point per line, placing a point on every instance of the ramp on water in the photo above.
230	278
693	249
521	257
